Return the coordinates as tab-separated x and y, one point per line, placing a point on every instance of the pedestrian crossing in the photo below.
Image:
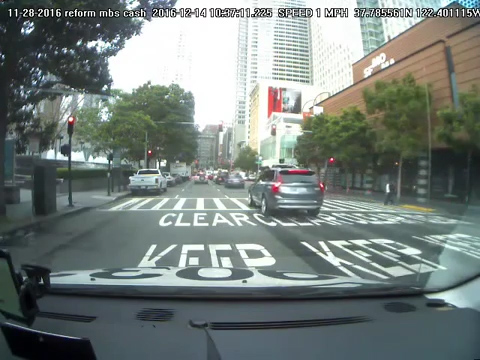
235	204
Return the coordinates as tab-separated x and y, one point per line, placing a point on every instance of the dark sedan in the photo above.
235	181
221	178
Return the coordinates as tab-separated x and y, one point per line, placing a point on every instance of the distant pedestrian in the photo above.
389	193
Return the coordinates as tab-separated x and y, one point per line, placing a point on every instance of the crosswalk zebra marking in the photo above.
240	204
139	205
160	204
179	204
236	204
219	204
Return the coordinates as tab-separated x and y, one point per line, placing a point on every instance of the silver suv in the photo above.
287	189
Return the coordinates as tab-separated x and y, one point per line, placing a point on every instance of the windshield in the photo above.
358	127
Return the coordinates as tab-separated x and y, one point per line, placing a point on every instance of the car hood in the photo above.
203	277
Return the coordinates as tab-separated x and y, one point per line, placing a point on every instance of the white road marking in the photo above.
176	197
138	206
160	204
179	204
226	196
240	204
126	203
219	204
200	204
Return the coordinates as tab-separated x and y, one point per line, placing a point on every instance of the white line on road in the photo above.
219	204
179	204
160	204
227	196
183	189
240	204
218	189
138	206
200	204
176	197
126	203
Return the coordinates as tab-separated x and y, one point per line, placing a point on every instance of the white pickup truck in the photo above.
148	180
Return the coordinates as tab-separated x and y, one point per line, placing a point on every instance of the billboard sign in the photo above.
284	100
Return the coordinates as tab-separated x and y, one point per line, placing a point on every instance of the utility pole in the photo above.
71	123
146	146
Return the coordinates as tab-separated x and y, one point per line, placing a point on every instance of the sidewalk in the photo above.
20	217
408	202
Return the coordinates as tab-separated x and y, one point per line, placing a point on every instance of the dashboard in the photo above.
438	326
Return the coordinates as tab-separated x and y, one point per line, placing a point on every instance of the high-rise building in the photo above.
466	3
378	30
334	50
269	49
176	64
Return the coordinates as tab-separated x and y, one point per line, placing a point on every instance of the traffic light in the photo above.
71	123
149	153
220	127
273	131
65	149
281	161
331	160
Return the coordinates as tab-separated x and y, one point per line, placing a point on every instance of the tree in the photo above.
307	150
74	50
246	159
400	109
350	138
171	110
460	129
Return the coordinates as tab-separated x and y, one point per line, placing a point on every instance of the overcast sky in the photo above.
214	49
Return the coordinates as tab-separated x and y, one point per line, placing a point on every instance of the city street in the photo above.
208	225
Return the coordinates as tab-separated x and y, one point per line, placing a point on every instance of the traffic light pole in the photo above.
70	200
146	146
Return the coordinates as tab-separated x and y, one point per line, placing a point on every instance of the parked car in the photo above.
200	178
234	180
170	179
252	177
221	178
148	180
287	189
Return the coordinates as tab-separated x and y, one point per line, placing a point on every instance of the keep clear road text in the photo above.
211	226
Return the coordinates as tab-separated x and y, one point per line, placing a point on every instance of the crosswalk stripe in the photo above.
126	203
179	204
160	204
200	204
240	204
219	204
345	205
138	206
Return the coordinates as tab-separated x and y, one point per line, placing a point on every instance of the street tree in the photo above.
351	139
400	109
460	129
171	110
36	53
246	159
307	150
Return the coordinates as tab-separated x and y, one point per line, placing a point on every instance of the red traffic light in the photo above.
273	131
149	152
71	119
331	160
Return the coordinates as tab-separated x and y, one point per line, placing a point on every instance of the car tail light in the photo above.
276	186
321	185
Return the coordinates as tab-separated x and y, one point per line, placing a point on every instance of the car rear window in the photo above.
298	176
148	172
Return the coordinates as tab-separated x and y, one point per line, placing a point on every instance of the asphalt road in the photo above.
208	225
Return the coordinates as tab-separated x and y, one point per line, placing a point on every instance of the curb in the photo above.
418	208
26	228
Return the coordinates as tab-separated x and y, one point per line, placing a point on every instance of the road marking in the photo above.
179	204
418	208
126	203
240	204
363	258
226	196
176	197
183	189
219	204
218	189
200	204
141	204
160	204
